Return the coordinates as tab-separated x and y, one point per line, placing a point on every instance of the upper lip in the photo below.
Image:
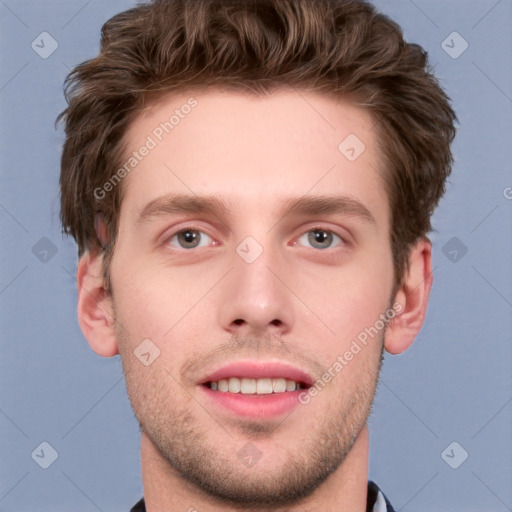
259	370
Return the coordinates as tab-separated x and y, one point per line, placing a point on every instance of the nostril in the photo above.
238	321
276	322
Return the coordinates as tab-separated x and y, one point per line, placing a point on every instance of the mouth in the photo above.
264	386
256	389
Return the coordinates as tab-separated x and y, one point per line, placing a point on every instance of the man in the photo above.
250	184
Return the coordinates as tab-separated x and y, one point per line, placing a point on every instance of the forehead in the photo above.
253	150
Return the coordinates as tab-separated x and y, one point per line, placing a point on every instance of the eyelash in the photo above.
342	241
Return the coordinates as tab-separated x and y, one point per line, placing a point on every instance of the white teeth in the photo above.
247	386
264	386
290	385
279	385
234	385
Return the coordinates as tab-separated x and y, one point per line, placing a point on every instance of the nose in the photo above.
255	299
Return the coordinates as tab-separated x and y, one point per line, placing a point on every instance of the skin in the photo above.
300	302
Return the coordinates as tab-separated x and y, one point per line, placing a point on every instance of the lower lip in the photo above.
255	406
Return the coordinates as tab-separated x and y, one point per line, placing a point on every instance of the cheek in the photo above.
138	309
346	300
152	303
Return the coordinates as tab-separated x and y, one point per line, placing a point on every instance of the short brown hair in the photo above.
341	48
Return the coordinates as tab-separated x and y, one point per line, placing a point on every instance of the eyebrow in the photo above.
327	205
170	204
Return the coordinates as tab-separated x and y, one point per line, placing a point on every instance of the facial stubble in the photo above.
215	470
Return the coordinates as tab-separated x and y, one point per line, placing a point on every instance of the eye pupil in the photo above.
189	238
320	236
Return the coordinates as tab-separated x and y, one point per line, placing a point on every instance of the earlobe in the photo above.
413	298
95	309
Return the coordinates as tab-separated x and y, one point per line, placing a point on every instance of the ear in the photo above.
413	299
95	308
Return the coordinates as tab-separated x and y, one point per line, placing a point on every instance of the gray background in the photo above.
453	385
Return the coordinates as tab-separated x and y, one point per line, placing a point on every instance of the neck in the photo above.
344	490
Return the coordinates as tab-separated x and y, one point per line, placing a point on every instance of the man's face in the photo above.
257	281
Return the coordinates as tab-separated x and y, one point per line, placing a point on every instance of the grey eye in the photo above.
319	238
190	239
